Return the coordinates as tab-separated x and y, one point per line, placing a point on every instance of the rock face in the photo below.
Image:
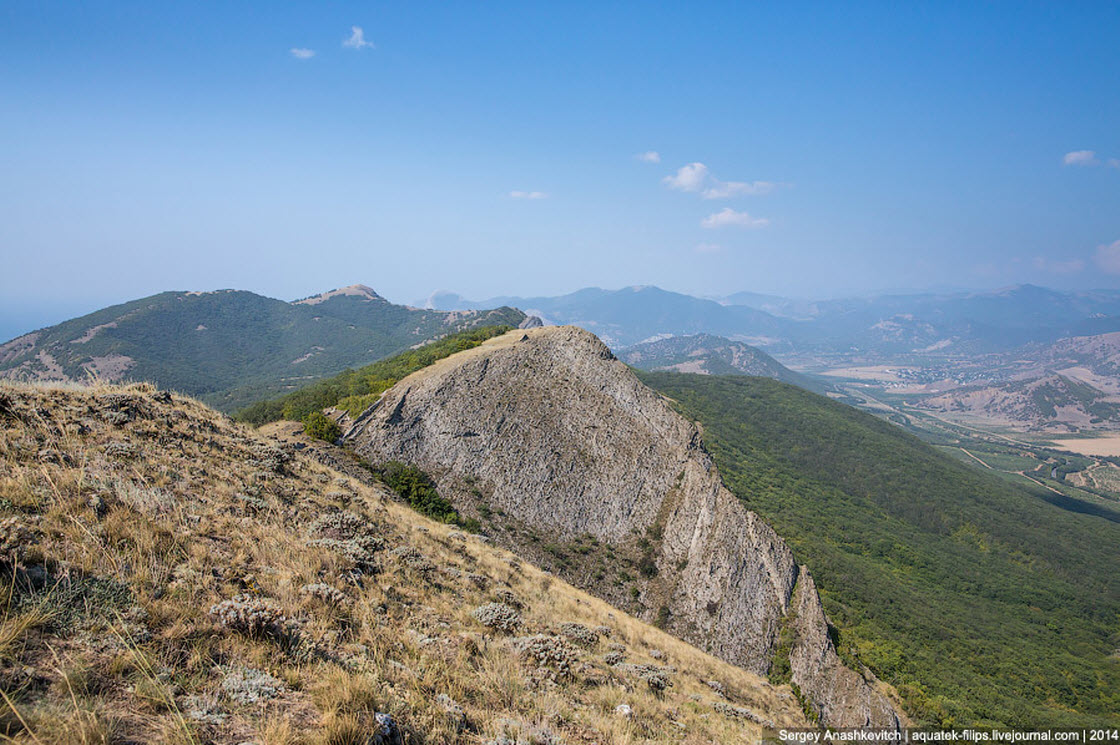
548	430
844	697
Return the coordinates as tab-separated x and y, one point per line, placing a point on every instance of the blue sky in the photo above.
493	148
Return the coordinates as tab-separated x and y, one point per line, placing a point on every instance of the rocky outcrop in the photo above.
531	322
841	697
546	429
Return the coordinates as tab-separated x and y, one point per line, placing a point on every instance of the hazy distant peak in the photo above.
445	300
361	291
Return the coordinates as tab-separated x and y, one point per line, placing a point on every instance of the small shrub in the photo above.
250	615
341	526
321	427
348	534
657	678
507	596
418	490
360	551
553	652
15	536
579	634
412	559
248	686
325	593
647	566
735	712
498	616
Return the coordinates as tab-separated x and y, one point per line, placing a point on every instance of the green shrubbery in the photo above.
321	427
417	489
355	390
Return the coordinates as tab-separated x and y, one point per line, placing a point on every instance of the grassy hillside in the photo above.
711	355
354	390
979	599
172	577
231	348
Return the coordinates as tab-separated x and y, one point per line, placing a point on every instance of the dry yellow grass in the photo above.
127	515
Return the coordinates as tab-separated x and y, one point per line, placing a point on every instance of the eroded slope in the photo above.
562	451
174	577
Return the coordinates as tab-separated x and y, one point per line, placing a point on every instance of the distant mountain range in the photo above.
937	324
711	355
231	348
632	315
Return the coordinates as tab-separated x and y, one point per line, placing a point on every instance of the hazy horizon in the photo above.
16	320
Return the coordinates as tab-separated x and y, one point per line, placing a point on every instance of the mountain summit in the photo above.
569	457
231	347
359	291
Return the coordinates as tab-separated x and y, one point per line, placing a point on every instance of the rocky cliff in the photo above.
564	453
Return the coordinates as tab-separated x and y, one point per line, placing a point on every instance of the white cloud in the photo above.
1114	162
1071	266
528	195
301	53
1108	258
729	217
708	248
688	178
724	189
1080	158
649	156
357	39
695	177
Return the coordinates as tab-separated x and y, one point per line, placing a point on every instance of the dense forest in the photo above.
980	600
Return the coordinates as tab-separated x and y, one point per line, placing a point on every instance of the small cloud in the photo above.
301	53
1108	258
649	156
695	177
357	39
729	217
708	248
528	195
1072	266
1114	162
687	178
1080	158
725	189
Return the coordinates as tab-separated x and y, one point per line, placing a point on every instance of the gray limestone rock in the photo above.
562	437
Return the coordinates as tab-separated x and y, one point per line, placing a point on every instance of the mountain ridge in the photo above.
706	354
232	347
513	428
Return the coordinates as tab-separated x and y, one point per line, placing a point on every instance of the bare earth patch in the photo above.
1107	445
